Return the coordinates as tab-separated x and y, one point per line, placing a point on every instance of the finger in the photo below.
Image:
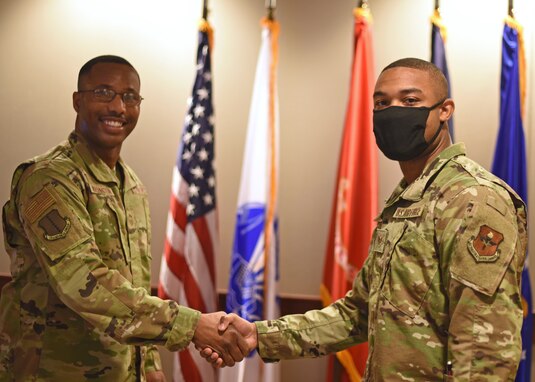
206	352
214	357
228	360
232	346
225	321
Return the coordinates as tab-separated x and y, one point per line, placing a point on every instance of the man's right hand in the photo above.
229	345
245	329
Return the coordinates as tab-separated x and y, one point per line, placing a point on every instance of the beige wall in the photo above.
44	42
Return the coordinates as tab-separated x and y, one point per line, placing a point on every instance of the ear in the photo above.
446	110
76	100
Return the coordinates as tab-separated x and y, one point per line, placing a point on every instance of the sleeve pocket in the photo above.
51	224
484	249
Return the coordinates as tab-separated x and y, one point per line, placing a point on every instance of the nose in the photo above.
396	102
117	104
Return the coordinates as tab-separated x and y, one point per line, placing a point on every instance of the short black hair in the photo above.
435	73
105	59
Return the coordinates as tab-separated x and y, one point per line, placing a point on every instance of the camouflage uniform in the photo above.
79	305
441	282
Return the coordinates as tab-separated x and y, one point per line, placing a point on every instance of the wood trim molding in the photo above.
290	304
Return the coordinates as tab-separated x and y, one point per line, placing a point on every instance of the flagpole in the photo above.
363	4
270	6
510	10
205	10
271	372
437	4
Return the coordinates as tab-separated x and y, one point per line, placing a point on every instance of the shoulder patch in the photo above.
54	217
54	225
38	205
484	246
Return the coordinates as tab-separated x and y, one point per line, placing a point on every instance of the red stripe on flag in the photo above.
178	212
203	234
177	264
188	367
162	293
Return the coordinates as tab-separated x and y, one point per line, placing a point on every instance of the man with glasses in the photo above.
77	229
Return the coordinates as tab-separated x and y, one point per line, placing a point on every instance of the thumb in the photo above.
225	321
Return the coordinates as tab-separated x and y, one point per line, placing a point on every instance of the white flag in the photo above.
253	290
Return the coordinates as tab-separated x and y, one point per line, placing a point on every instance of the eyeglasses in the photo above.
108	95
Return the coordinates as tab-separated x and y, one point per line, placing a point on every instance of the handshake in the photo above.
224	339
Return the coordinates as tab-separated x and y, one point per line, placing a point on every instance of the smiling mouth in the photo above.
113	123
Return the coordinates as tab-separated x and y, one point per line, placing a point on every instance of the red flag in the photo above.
187	273
355	199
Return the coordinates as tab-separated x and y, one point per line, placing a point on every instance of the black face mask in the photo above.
399	131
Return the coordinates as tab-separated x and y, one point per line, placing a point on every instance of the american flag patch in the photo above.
39	204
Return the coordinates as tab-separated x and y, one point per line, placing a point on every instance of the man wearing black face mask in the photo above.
409	96
438	298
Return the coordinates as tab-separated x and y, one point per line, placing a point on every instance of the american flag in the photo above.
187	272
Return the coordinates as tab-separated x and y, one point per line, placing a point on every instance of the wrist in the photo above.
254	330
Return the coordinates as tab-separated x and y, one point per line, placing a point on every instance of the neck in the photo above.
110	157
413	168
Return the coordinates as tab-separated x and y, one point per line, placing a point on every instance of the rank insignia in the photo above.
54	225
484	246
380	240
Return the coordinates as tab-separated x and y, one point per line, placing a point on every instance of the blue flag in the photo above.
254	274
438	54
510	158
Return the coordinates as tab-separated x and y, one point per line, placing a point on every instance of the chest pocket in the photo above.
109	229
138	222
383	240
411	268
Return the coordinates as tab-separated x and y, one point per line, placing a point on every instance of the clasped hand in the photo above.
223	339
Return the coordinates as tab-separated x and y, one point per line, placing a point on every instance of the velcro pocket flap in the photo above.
55	227
484	248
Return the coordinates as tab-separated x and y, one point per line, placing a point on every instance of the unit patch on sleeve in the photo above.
484	246
54	225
